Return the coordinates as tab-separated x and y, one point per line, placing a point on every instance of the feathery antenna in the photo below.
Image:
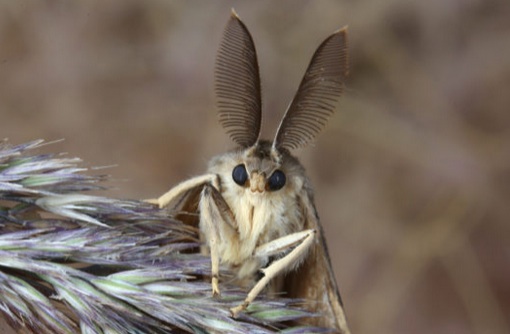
317	94
238	84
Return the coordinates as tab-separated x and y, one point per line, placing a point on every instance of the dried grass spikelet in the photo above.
72	262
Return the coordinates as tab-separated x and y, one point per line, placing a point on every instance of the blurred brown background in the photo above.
412	174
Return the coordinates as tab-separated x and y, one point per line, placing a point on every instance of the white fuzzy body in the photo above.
260	216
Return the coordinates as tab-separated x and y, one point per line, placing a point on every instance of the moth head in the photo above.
258	181
239	94
259	169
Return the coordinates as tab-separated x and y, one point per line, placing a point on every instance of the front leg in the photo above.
183	187
301	241
218	226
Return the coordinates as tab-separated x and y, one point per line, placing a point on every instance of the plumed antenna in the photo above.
317	94
238	84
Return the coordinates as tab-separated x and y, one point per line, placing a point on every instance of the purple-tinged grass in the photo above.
72	262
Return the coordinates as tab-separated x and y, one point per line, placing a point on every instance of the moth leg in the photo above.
216	222
301	241
182	187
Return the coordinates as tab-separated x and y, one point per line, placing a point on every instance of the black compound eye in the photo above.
239	175
277	180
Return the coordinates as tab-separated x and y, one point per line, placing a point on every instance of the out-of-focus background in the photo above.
412	174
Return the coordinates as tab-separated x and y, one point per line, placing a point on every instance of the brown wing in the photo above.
314	280
186	207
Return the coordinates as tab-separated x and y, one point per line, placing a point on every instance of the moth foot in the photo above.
234	311
215	287
154	201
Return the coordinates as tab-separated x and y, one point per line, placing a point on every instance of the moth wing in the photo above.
314	279
185	208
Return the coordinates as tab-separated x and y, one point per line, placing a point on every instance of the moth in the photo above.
255	203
